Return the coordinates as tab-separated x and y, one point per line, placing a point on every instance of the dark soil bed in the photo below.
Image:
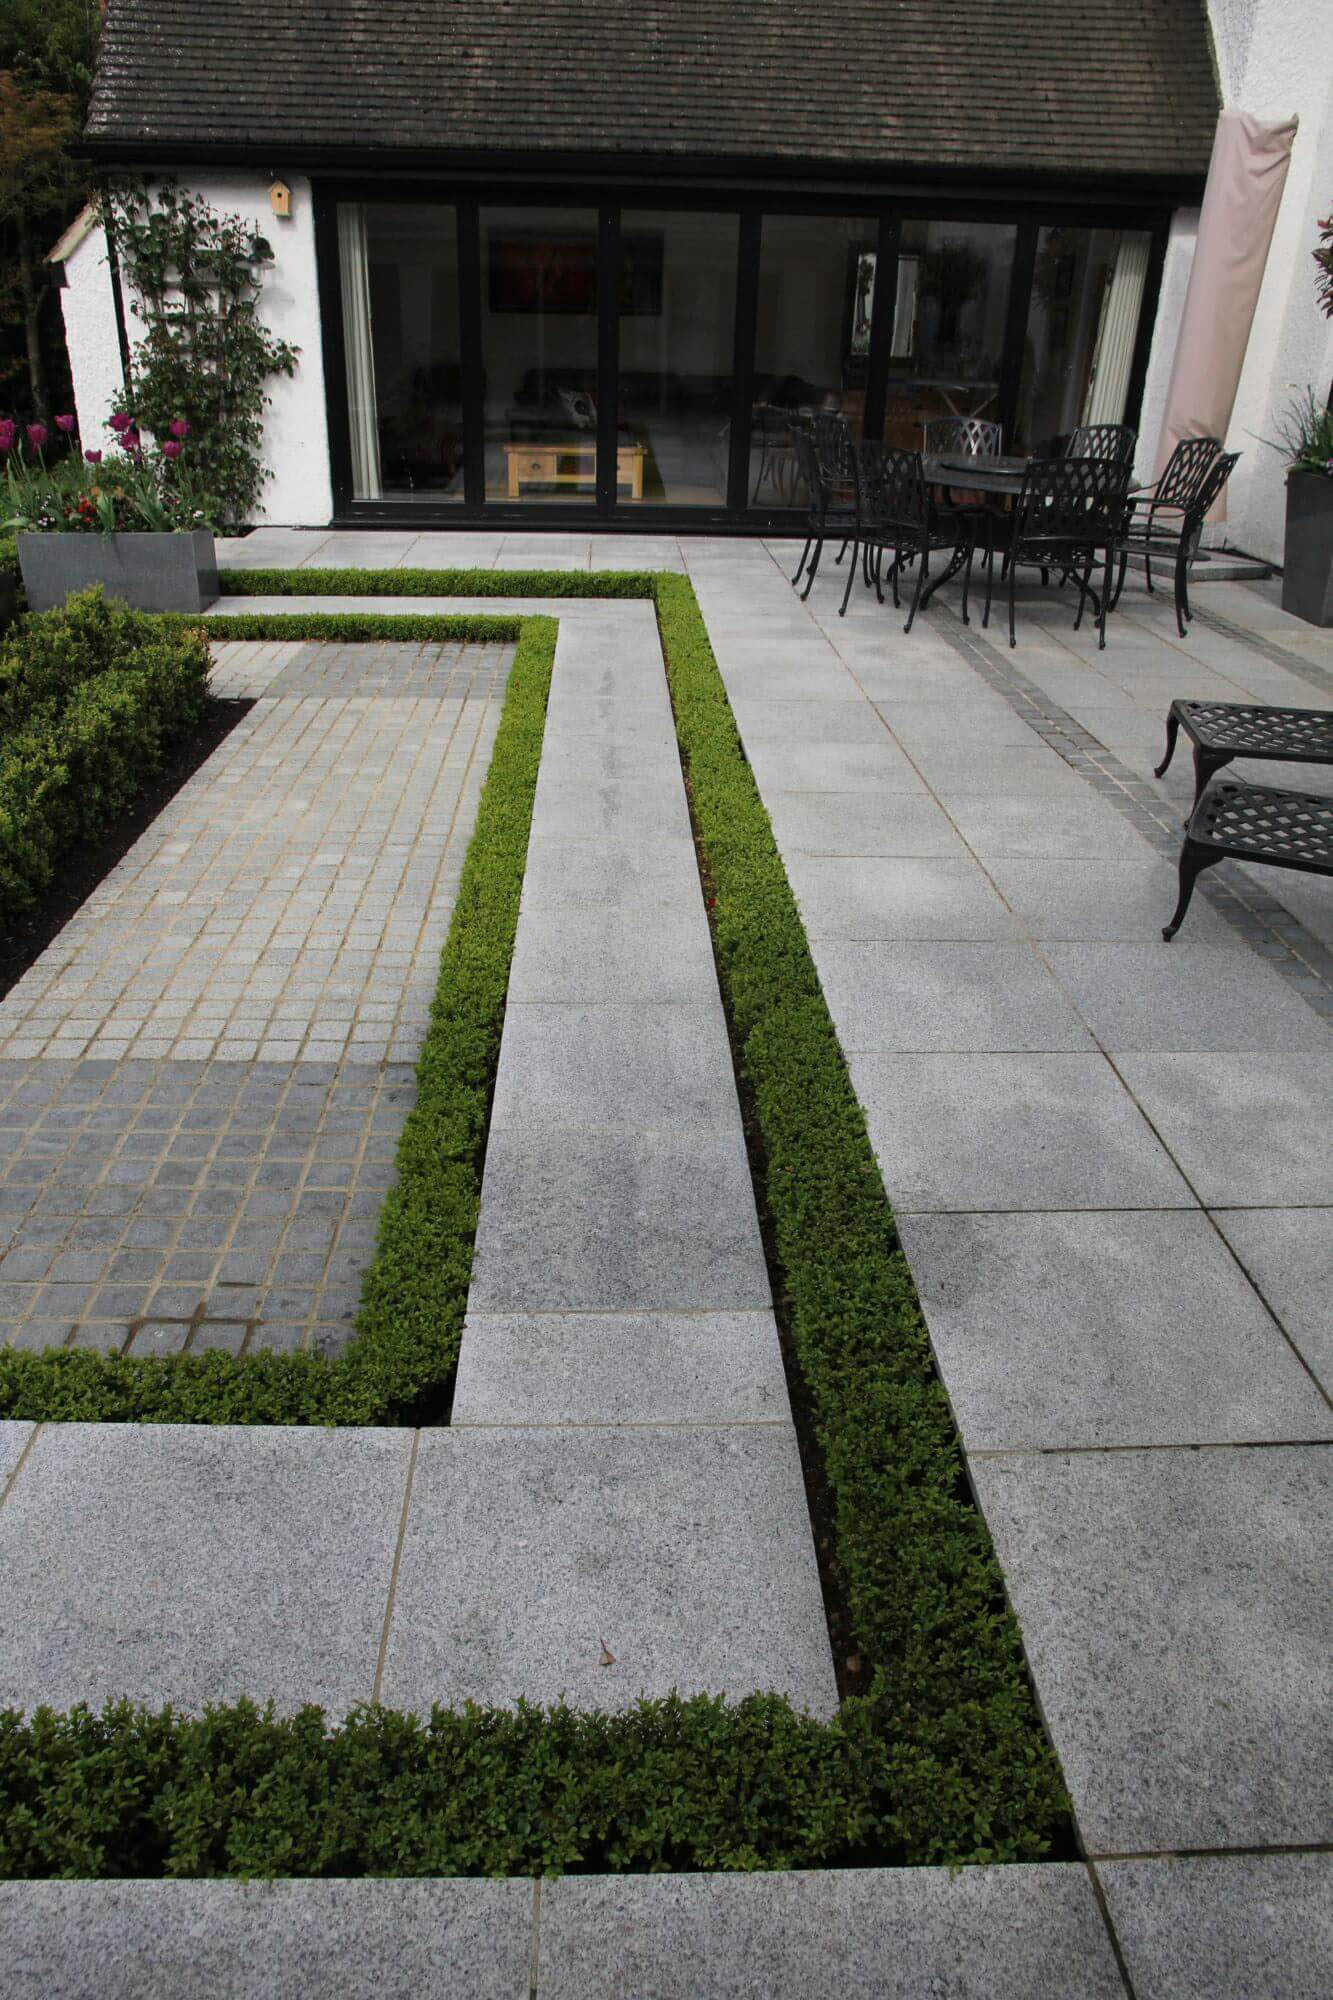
85	866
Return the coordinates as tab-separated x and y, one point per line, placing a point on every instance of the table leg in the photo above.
513	476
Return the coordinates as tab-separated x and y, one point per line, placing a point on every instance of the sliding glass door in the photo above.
618	360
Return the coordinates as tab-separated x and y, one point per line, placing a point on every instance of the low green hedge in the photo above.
91	699
945	1760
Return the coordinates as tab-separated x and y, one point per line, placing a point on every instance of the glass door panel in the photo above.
812	338
1083	321
677	311
947	344
539	353
399	278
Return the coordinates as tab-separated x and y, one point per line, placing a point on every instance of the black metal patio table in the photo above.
999	474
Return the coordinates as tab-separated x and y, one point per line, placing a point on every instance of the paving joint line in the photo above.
383	1653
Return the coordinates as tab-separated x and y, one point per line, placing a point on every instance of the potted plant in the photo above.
134	519
1307	557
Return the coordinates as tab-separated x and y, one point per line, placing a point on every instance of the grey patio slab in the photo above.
575	809
897	996
643	1066
1185	997
620	1368
1124	896
187	1564
1044	829
1011	1132
867	897
1175	1613
617	1222
627	873
1247	1926
767	720
360	1940
875	767
955	774
1020	1933
861	823
953	721
596	952
1288	1252
636	718
570	758
1107	1329
1250	1130
683	1554
13	1438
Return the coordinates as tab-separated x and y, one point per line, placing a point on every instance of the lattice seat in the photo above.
1254	823
1223	730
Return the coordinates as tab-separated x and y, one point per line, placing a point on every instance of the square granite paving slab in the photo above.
876	767
641	1066
879	897
944	998
620	1368
1176	1616
1019	1933
1288	1252
1122	896
1250	1131
1045	829
617	809
13	1437
187	1564
1243	1926
1185	997
1011	1132
684	1554
623	874
598	953
1107	1329
358	1940
617	1222
837	822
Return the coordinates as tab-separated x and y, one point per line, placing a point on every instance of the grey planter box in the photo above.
1307	561
159	572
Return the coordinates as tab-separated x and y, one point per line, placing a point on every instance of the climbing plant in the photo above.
195	278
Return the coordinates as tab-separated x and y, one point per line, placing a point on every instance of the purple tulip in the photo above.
65	424
37	435
8	433
178	427
171	449
93	457
121	422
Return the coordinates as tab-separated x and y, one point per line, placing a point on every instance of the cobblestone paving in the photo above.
203	1079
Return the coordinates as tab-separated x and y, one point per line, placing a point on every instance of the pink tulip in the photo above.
93	457
121	422
171	449
178	427
37	435
65	424
8	433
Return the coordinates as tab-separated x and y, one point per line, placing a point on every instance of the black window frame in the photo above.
885	208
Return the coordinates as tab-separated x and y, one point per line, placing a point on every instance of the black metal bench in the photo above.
1253	823
1223	730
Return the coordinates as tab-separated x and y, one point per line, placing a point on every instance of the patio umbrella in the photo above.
1246	176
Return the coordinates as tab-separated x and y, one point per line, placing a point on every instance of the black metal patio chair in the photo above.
826	458
1069	516
1158	512
972	437
898	515
1114	441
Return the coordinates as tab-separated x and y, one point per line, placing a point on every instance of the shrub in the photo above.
91	698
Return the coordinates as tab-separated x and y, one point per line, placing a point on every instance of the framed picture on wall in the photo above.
535	271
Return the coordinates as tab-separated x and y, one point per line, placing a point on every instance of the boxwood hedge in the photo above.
943	1760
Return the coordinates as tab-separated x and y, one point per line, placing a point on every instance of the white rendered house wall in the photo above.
296	433
1274	57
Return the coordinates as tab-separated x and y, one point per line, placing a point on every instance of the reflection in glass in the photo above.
948	324
812	341
677	310
399	281
539	353
1087	290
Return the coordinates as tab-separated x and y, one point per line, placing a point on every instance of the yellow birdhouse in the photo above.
280	199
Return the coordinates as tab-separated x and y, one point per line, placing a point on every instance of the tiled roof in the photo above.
1065	87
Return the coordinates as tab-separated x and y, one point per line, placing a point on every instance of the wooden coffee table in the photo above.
570	463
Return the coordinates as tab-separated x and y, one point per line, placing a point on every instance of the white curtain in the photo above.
1108	383
359	348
